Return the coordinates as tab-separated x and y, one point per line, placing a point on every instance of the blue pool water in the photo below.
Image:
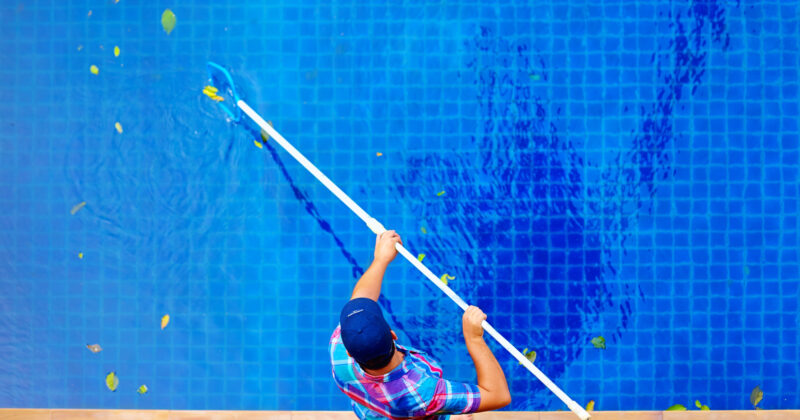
625	169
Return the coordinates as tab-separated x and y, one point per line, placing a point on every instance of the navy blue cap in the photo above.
365	334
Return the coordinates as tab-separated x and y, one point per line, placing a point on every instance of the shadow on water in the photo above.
534	241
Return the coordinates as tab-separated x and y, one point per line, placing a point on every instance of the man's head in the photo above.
365	334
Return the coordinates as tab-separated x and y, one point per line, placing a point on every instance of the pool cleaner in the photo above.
221	81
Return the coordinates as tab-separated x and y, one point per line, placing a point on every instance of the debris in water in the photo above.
168	21
95	348
118	126
77	207
112	381
164	321
599	342
94	69
446	277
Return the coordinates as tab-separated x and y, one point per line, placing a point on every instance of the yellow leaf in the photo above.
590	405
164	321
258	144
116	51
94	69
420	257
211	89
118	126
379	154
112	381
95	348
80	255
142	389
77	207
446	277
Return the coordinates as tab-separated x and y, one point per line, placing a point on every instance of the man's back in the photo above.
414	389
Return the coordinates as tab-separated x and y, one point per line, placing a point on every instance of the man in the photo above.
387	380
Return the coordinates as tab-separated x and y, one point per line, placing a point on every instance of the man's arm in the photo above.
369	285
491	379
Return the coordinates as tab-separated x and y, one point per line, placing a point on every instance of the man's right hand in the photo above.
471	322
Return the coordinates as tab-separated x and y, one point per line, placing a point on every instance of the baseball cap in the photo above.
365	334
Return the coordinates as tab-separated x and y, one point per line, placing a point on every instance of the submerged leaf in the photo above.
420	257
697	403
264	134
168	21
440	193
531	355
94	69
142	389
118	126
80	255
423	229
677	407
116	51
112	381
599	342
379	154
95	348
705	408
756	396
590	405
77	207
164	321
258	144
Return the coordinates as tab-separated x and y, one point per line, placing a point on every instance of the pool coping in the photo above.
73	414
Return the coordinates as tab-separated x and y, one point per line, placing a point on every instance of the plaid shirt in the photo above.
414	389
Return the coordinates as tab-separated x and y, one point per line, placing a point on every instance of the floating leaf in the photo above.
118	126
677	407
423	229
116	51
164	321
80	255
112	381
378	154
94	69
95	348
440	193
420	257
530	355
168	21
599	342
77	207
756	396
590	405
142	389
446	277
697	403
258	144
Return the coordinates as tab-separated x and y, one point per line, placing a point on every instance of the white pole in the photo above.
378	228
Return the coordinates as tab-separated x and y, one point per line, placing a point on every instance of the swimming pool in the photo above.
623	169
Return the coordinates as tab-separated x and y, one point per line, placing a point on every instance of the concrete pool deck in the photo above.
74	414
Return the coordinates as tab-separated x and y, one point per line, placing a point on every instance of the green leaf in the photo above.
112	381
168	21
599	342
705	408
142	389
697	403
756	396
677	407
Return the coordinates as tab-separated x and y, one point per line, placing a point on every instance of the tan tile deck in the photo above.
71	414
